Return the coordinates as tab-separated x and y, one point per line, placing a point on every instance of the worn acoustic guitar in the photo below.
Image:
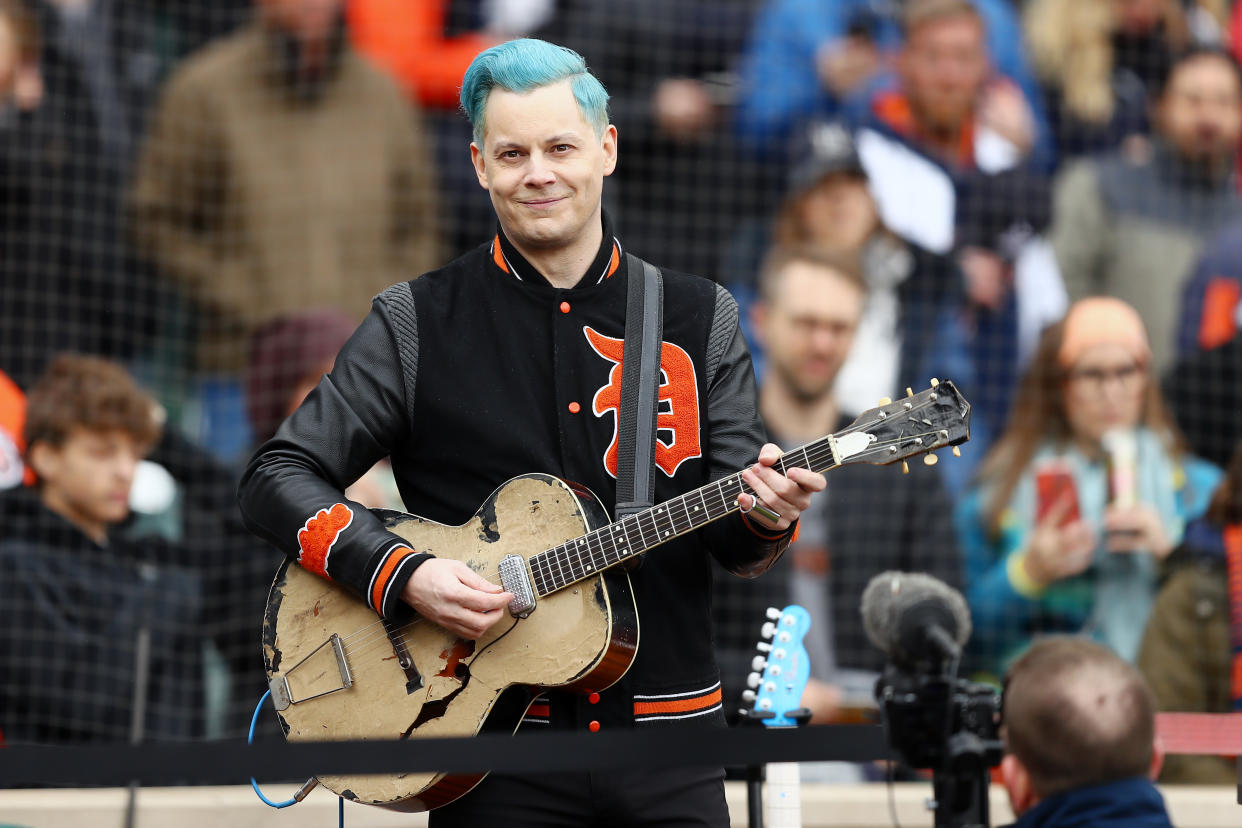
338	671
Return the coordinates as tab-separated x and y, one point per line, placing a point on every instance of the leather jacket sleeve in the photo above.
291	494
735	435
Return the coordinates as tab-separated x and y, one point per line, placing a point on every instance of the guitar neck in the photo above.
586	556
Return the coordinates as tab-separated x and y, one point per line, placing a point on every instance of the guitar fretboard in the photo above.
586	556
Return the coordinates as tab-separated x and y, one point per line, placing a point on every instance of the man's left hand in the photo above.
786	495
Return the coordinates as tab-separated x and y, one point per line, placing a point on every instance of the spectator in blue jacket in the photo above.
807	57
1211	312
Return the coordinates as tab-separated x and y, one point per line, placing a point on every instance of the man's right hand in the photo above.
456	597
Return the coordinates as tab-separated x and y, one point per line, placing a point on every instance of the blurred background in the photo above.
199	198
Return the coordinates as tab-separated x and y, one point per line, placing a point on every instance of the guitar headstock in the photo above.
781	666
935	418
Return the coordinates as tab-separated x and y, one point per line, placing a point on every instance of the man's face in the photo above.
943	67
87	479
306	20
808	326
839	213
543	165
1201	111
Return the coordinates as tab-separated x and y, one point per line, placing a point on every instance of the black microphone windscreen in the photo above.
891	595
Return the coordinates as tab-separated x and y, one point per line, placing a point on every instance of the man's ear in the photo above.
1017	783
480	164
1157	759
42	459
610	147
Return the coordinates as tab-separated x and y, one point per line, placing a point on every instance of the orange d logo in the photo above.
679	403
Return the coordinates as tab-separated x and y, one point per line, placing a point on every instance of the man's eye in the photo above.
562	148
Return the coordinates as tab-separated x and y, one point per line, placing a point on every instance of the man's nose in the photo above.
125	467
538	171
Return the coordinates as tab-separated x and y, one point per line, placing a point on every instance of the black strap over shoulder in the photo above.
640	387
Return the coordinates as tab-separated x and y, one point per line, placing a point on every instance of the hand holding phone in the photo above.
1055	490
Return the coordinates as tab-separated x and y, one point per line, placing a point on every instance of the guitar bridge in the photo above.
282	694
514	579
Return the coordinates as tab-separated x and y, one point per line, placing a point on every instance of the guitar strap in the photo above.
640	387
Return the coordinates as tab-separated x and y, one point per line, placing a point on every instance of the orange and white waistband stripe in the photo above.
677	705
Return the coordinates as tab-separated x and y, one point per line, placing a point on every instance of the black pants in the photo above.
671	798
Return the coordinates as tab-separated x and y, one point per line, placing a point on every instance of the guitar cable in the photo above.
301	792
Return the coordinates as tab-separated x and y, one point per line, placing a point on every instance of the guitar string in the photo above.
379	634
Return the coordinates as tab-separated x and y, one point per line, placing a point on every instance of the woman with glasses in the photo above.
1083	496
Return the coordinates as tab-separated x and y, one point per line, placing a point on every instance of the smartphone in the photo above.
1053	482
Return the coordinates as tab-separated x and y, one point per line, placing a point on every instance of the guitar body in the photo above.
409	678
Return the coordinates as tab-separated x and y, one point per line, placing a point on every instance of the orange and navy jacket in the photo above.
510	375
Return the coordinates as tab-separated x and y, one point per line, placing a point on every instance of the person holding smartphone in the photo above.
1085	493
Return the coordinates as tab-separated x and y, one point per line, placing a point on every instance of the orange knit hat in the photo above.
1099	320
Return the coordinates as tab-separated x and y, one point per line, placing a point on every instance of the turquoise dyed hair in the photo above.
527	64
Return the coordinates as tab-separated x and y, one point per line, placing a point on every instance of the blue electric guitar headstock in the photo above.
782	667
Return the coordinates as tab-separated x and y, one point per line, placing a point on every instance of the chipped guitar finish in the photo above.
583	637
338	671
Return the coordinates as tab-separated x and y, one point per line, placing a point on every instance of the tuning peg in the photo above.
905	467
772	613
758	663
934	382
749	696
768	629
930	459
909	391
753	679
957	451
885	400
763	647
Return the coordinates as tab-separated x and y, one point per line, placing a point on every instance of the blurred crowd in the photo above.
1037	199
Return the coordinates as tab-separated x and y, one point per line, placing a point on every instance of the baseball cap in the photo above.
824	148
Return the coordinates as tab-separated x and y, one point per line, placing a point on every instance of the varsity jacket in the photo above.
481	371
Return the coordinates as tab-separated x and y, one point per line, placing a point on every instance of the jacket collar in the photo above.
509	261
1133	803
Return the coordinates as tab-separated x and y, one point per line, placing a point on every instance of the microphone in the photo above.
915	618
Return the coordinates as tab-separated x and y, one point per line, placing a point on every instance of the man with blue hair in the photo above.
507	361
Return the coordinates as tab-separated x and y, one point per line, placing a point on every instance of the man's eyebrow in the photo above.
559	138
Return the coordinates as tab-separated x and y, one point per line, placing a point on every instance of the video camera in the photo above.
932	718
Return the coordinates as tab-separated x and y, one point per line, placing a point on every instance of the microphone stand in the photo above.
960	783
